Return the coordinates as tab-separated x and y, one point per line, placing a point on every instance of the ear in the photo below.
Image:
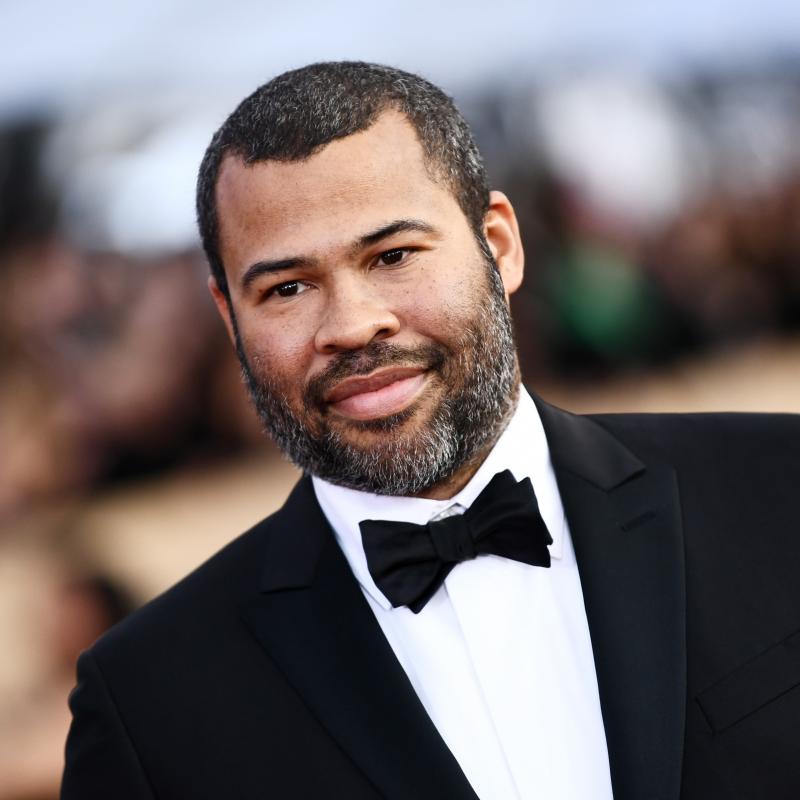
502	233
223	306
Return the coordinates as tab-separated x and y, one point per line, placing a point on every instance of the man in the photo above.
471	594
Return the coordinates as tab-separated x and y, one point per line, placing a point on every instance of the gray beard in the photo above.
482	377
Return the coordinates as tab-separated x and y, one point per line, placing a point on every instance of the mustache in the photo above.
375	355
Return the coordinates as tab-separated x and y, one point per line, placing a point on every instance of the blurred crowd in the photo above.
112	366
661	218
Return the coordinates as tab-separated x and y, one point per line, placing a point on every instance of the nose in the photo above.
354	316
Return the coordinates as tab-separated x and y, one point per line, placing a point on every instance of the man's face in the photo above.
373	331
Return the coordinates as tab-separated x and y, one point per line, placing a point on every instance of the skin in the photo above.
316	267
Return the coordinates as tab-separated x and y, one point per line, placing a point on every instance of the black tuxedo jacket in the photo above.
264	674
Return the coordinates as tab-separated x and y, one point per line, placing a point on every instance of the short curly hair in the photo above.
299	112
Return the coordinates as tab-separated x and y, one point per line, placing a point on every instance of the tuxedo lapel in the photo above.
626	527
314	623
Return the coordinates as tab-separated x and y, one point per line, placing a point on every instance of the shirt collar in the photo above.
521	448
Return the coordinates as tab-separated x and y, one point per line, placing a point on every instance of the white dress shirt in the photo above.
500	656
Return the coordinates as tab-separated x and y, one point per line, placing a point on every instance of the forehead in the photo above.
371	177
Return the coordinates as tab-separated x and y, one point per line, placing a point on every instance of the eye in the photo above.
288	289
394	257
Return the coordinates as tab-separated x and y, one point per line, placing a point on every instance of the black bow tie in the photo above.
409	562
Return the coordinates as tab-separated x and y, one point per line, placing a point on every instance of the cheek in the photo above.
280	351
441	302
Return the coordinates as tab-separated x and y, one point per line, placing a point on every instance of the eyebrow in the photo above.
260	268
392	228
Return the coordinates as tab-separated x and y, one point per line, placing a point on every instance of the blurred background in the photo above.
652	151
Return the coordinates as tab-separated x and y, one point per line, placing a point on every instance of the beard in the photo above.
480	378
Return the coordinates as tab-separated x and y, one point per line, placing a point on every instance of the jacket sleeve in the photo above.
101	761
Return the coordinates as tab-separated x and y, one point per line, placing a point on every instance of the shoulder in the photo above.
200	599
735	472
708	437
206	603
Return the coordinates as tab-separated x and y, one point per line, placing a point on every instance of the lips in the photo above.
377	395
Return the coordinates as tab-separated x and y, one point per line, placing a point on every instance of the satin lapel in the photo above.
626	527
314	623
